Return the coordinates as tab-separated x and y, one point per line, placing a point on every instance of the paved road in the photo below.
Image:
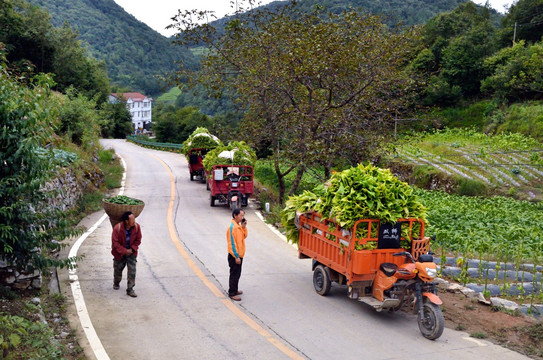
182	311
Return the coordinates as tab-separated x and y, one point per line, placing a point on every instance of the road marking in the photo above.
275	231
211	286
480	343
79	301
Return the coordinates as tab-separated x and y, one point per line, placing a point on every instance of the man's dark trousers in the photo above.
235	273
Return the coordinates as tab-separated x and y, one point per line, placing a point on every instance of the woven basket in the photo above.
115	211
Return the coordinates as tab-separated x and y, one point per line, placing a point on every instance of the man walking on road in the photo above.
235	237
125	240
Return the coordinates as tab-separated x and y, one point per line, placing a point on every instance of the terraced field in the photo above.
502	161
509	168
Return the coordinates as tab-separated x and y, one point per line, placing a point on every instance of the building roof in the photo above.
135	96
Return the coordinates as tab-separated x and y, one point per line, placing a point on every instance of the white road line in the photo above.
81	308
274	229
480	343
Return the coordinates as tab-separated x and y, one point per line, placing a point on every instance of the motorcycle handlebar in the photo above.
404	253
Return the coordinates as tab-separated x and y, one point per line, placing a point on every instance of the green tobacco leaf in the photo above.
14	339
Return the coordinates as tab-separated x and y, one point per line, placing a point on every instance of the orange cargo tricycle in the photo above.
382	267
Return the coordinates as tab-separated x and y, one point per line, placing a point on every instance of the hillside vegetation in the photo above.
52	113
409	12
134	53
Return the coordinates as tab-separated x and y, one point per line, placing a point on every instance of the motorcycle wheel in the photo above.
431	323
211	200
321	281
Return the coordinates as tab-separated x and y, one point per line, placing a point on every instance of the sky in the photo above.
157	14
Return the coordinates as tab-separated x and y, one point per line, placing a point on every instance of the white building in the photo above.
139	106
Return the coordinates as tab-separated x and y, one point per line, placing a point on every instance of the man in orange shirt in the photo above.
235	237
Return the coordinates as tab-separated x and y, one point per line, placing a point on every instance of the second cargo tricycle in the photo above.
230	184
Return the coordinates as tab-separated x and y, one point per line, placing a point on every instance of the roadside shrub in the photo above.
105	156
470	187
28	227
79	120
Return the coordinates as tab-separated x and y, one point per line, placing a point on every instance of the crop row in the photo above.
501	230
501	160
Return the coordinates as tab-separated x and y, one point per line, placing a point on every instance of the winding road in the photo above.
182	310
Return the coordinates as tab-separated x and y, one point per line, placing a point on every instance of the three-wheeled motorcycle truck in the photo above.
384	274
230	184
195	157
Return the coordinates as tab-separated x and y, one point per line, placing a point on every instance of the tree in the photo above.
456	44
320	88
73	68
33	45
29	225
175	125
116	120
516	72
79	120
524	21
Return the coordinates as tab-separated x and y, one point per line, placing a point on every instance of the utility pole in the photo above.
515	33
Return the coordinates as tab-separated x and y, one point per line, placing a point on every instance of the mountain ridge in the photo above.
128	46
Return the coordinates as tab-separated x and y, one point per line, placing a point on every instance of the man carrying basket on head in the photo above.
125	241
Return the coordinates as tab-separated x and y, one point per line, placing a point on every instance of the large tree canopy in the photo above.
524	21
322	89
517	72
456	43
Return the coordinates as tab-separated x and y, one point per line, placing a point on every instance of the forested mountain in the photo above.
408	12
133	52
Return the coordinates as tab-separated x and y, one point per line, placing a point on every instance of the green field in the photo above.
170	96
505	161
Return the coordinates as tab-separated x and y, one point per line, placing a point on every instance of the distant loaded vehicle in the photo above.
196	169
230	184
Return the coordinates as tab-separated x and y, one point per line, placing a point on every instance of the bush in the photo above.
473	115
79	120
105	156
470	187
440	92
524	118
28	226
